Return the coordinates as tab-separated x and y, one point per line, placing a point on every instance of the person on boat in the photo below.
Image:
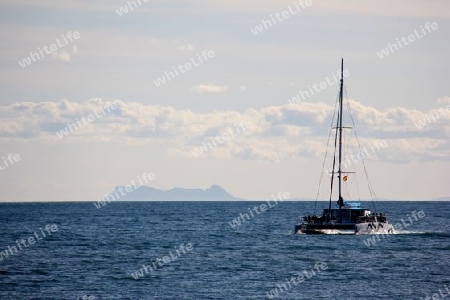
323	218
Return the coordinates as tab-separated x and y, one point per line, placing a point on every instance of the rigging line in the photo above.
334	164
369	185
325	158
350	145
357	188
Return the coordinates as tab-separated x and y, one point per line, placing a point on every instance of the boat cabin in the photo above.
348	215
351	212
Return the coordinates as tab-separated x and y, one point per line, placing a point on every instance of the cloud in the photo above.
209	88
297	131
404	8
62	55
443	101
186	48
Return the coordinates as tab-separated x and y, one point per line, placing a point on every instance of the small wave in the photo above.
334	231
409	232
437	233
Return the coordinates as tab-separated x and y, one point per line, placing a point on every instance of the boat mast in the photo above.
340	201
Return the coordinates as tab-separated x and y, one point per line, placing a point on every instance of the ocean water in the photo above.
94	252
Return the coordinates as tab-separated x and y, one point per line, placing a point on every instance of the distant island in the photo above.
442	199
214	193
146	193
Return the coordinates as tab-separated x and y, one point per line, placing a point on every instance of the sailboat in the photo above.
343	217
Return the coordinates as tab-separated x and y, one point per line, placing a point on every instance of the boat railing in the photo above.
372	218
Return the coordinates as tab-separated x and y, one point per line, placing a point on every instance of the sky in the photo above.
112	73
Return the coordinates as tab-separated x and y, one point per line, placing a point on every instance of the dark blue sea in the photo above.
94	253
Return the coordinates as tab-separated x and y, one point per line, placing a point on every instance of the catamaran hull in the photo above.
374	228
325	228
360	228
